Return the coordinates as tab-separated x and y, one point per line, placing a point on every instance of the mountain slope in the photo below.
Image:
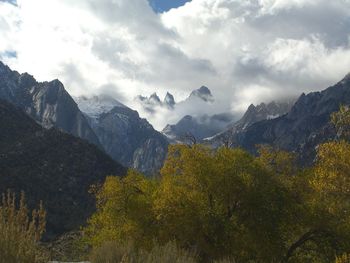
253	115
203	93
303	127
200	127
51	166
127	138
46	102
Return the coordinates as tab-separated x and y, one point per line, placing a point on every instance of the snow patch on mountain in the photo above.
96	105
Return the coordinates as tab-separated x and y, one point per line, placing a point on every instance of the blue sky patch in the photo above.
9	54
160	6
14	2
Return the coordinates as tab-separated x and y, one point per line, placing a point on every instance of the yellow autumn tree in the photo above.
341	121
124	211
222	203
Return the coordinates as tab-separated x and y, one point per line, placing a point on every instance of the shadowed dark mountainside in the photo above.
51	166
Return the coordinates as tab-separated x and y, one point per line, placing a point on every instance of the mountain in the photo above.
253	115
305	126
51	166
202	93
151	103
169	100
200	127
96	105
125	136
46	102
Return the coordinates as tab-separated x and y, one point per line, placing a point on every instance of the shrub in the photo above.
343	259
111	252
19	233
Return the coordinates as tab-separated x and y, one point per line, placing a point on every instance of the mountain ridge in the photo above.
300	130
46	102
128	138
50	166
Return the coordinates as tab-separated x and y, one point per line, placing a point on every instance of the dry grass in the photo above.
343	259
111	252
20	233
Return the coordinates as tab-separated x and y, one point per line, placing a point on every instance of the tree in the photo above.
124	211
341	121
222	203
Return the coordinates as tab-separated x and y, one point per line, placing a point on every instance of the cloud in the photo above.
244	51
266	49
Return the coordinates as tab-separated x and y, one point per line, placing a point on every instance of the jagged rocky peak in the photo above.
203	93
95	105
264	111
254	114
4	68
47	102
154	99
169	100
26	80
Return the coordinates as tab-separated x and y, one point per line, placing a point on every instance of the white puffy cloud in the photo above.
266	49
245	51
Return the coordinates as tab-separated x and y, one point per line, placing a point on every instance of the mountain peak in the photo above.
169	100
96	105
154	98
203	93
26	80
3	67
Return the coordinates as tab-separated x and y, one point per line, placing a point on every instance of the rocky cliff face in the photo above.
47	102
303	127
51	166
126	137
253	115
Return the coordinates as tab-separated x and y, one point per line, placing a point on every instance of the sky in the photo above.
245	51
160	6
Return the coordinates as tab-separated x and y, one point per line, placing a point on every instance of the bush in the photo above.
19	233
111	252
343	259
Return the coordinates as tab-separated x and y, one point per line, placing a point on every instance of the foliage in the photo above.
230	206
345	258
19	233
127	253
124	208
341	121
221	203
